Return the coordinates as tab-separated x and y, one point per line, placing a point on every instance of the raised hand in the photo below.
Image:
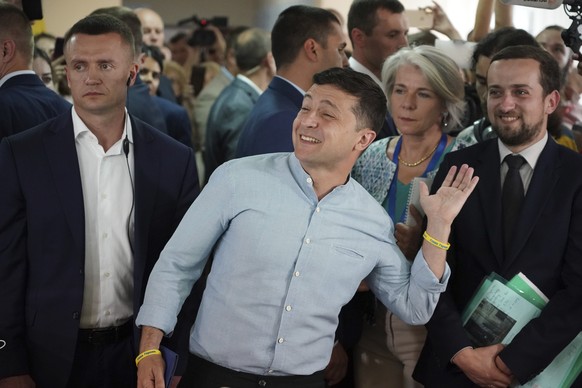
446	203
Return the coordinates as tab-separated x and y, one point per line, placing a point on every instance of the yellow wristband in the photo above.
145	354
435	242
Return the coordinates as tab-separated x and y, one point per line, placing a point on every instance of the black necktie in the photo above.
512	197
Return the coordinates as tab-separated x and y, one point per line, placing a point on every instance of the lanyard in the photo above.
431	166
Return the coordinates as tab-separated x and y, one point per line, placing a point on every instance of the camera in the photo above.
572	37
203	37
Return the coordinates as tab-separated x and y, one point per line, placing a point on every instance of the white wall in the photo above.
462	14
61	14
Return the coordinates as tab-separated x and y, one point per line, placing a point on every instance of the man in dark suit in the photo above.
24	99
256	66
305	41
542	241
87	202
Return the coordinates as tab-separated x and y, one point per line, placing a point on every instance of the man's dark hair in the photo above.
294	26
363	14
155	53
15	25
127	16
178	36
370	110
549	70
499	39
99	25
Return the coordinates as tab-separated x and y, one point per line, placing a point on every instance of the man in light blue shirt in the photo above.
293	236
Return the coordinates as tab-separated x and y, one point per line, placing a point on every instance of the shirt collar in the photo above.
81	130
292	84
531	154
14	74
305	181
357	66
248	81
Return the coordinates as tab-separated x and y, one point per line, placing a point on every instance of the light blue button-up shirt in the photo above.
284	265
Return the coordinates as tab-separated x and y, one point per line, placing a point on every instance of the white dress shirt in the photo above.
108	199
531	155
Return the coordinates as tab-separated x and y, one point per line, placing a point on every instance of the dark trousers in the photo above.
104	365
204	374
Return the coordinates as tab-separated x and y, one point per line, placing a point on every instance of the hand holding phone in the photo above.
420	18
58	52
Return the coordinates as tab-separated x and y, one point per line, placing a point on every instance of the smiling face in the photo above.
415	107
516	105
325	131
98	68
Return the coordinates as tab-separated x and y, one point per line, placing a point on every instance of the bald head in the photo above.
152	26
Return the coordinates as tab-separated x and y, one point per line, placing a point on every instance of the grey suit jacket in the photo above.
225	122
204	101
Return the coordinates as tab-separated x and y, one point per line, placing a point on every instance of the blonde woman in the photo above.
425	97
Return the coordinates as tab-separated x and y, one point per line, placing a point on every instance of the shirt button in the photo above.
317	209
281	340
309	180
307	241
107	313
262	383
107	274
297	273
104	235
288	308
76	315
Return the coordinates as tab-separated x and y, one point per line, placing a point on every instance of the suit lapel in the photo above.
489	189
61	153
147	170
540	188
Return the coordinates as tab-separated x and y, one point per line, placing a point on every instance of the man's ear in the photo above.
367	136
551	101
8	50
310	47
357	37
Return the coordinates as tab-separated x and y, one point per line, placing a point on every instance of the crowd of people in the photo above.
300	207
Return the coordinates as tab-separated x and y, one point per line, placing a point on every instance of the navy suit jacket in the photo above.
26	102
143	106
42	238
225	122
269	126
546	248
177	120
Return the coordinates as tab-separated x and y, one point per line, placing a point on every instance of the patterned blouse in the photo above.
374	171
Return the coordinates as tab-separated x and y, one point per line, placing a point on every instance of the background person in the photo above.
492	234
425	94
78	201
